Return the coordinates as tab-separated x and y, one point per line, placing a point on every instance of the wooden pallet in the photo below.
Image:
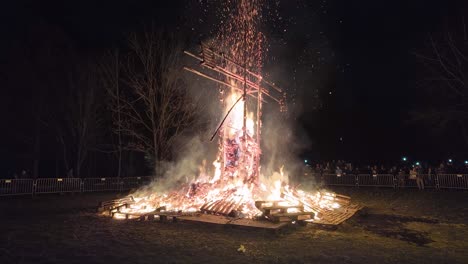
230	221
337	216
277	212
221	207
109	206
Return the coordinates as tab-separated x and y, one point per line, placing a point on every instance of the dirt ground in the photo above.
401	226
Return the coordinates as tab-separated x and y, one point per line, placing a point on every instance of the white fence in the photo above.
64	185
436	181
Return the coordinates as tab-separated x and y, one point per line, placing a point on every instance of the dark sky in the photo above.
355	55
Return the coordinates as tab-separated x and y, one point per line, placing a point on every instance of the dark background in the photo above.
347	65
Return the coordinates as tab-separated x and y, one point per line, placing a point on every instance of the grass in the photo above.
401	226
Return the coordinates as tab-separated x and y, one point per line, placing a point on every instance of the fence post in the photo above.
357	180
436	179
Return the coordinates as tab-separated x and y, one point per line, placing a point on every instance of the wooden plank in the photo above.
223	220
206	218
257	223
337	216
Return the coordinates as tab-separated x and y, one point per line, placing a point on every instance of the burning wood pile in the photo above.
293	206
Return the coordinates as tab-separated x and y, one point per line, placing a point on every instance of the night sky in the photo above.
348	65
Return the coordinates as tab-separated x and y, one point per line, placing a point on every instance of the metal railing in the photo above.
102	184
16	187
57	185
66	185
340	180
377	180
452	181
404	181
437	181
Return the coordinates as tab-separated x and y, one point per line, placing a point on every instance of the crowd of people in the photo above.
344	167
403	171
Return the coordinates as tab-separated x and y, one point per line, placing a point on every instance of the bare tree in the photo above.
152	108
78	121
446	63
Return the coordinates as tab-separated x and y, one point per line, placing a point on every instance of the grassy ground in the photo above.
402	226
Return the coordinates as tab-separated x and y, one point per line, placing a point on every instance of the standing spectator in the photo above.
70	173
24	174
382	170
338	171
429	174
441	169
401	177
413	174
419	178
327	168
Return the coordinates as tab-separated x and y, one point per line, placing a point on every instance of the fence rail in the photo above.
16	187
437	181
342	179
57	185
453	181
377	180
65	185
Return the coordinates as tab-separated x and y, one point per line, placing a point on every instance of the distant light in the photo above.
305	161
330	93
466	161
417	163
404	158
450	160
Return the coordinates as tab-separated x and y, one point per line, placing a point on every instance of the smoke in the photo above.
282	138
192	162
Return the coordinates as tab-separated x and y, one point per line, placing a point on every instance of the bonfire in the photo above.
237	188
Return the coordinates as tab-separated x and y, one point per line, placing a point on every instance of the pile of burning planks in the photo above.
280	211
223	207
293	208
113	208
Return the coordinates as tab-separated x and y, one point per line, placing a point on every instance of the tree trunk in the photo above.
36	150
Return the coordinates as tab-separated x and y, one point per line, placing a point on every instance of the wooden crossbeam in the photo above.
209	65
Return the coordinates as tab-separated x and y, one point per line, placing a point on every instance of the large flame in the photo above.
229	183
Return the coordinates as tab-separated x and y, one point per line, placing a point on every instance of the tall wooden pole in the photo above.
259	126
244	125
